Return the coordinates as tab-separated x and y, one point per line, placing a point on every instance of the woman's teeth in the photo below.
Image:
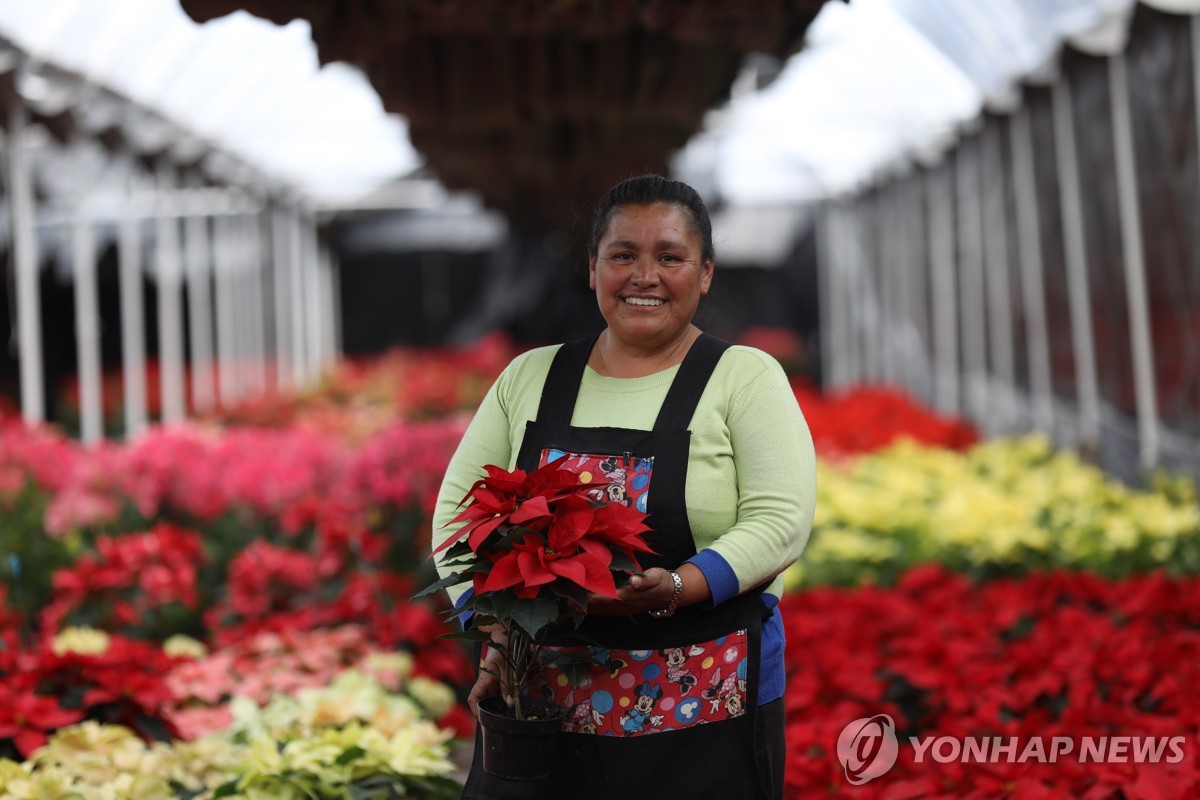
643	301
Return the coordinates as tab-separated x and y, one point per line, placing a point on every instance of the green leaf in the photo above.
437	586
435	787
351	754
532	615
226	789
575	673
469	635
572	590
503	604
184	793
623	563
459	550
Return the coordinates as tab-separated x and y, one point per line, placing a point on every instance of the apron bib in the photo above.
671	708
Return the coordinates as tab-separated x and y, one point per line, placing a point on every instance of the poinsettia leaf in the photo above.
438	585
533	571
480	532
503	604
459	550
463	565
226	789
598	578
470	492
531	509
471	635
566	588
351	754
482	620
532	615
622	562
504	573
433	787
575	672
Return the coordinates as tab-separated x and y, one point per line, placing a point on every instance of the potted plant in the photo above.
534	546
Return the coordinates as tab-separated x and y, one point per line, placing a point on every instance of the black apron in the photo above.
672	711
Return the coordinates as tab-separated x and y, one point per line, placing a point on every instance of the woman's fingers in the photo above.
493	680
647	592
485	686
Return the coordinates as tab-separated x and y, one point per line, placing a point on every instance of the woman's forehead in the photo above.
664	223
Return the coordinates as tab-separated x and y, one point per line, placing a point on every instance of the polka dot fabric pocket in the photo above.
639	692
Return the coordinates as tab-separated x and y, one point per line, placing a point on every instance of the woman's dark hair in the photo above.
646	189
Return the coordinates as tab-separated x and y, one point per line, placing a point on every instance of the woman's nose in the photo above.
645	271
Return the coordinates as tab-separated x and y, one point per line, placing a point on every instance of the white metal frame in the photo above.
87	301
940	188
168	271
25	260
133	322
1075	255
972	306
1033	285
198	259
997	266
1145	392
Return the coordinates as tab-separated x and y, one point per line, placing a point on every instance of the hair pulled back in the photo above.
646	189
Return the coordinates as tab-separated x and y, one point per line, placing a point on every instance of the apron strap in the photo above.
561	389
562	381
684	394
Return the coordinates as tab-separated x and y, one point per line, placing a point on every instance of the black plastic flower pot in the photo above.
519	749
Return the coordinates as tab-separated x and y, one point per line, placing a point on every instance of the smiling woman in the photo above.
685	695
649	270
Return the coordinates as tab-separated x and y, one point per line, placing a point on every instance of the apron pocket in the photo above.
630	693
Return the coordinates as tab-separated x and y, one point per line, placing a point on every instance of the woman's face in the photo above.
648	274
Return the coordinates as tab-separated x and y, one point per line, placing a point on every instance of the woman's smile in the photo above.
644	302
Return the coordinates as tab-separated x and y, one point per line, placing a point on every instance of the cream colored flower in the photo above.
420	750
180	645
390	669
436	697
50	783
84	641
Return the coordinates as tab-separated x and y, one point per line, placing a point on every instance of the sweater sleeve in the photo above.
776	483
487	441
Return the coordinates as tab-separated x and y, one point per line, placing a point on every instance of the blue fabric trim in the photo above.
722	581
772	672
464	618
723	584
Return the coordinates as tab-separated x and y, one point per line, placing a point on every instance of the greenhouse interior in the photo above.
264	262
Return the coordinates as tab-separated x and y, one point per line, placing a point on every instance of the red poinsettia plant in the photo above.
534	546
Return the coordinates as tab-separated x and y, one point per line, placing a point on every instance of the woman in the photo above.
708	439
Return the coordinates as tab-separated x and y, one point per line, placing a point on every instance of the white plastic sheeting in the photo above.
240	84
882	83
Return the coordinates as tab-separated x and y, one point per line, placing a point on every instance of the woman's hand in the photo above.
651	591
493	679
647	592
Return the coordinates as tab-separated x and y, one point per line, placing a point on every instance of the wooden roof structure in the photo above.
540	105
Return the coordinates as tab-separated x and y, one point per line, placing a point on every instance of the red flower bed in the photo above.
41	690
868	418
1051	655
131	582
135	683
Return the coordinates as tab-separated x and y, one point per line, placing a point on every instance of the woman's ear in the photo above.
592	273
706	276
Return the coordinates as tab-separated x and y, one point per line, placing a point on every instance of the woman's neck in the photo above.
616	359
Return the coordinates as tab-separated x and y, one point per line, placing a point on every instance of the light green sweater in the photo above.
751	480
